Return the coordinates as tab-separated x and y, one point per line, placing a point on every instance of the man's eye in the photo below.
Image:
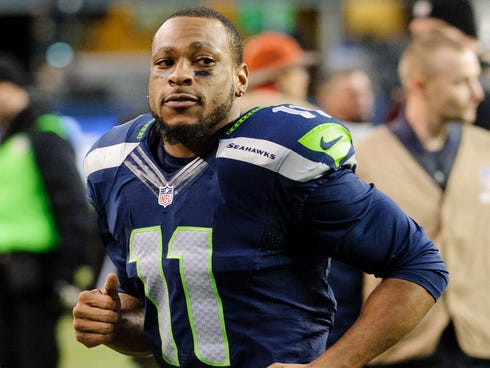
165	63
206	61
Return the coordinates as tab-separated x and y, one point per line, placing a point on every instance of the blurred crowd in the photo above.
428	148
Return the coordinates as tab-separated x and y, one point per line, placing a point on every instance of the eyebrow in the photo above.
197	45
202	44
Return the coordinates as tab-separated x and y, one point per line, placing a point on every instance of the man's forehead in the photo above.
448	62
200	27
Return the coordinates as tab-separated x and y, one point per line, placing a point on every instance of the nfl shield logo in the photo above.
166	195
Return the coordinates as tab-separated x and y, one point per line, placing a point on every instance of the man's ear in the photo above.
418	84
241	80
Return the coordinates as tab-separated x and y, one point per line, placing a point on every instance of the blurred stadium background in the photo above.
91	58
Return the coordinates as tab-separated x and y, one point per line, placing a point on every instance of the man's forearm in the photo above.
393	309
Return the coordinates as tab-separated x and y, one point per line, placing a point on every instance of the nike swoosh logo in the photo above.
326	145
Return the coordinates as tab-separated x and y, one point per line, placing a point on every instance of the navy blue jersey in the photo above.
230	253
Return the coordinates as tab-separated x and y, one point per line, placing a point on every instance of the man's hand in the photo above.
97	313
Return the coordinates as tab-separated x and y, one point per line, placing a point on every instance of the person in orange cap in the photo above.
278	68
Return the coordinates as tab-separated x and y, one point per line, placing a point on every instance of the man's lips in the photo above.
180	100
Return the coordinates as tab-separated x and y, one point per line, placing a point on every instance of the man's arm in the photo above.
391	311
111	318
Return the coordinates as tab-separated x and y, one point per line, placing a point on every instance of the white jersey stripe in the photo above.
271	156
259	152
107	157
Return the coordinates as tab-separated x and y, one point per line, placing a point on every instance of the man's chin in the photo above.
178	122
185	131
469	118
176	117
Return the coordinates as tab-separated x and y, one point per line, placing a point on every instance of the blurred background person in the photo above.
43	224
457	18
435	164
348	95
90	58
278	67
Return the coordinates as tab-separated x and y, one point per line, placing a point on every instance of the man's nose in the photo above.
182	74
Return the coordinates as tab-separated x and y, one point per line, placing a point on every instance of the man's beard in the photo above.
192	134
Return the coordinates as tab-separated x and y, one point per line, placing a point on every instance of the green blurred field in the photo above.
75	355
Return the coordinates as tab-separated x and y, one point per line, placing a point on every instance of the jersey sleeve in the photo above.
114	251
368	230
101	166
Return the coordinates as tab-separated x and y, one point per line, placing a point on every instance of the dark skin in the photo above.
191	56
194	84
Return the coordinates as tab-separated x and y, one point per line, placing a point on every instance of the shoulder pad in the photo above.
296	142
116	144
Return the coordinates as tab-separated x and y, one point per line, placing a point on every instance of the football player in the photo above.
222	226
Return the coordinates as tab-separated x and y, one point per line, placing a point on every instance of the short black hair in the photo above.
235	40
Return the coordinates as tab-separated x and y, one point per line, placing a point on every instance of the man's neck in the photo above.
431	132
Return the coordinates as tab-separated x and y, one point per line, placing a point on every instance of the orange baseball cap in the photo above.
268	52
